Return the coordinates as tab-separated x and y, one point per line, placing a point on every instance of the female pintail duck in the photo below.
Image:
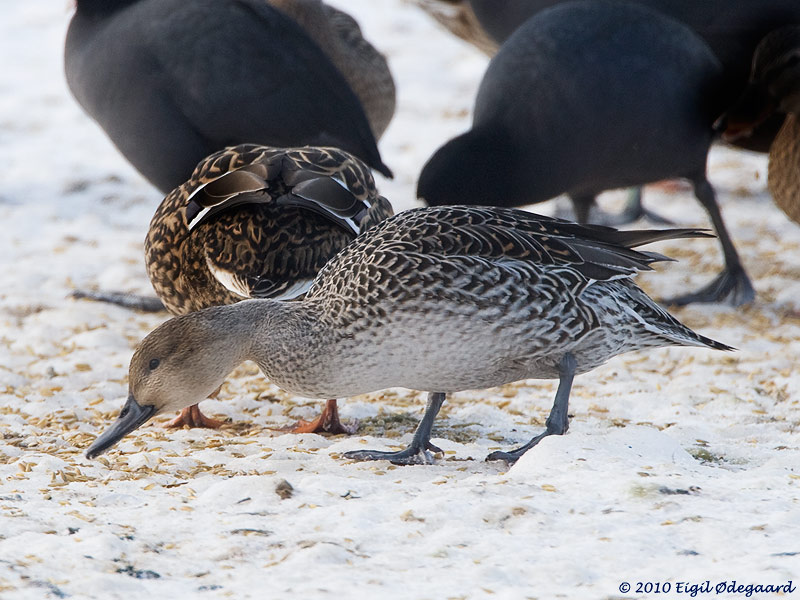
774	88
172	81
258	222
435	299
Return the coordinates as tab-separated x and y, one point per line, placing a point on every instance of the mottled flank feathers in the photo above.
512	269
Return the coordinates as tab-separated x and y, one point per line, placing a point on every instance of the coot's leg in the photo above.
732	284
587	211
582	205
635	210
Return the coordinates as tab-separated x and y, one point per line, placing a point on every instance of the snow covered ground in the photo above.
681	465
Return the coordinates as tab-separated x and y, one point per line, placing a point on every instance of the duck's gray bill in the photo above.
130	417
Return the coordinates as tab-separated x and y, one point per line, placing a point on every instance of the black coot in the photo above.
732	28
171	81
584	97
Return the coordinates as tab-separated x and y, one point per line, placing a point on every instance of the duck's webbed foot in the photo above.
513	456
417	452
731	286
413	455
557	422
327	422
124	299
192	417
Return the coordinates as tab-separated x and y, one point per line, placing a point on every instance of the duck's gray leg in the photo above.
732	284
417	451
558	421
132	301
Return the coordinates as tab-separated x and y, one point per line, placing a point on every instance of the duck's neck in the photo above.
282	338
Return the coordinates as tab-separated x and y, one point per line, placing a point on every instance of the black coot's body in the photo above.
586	97
501	19
172	81
731	28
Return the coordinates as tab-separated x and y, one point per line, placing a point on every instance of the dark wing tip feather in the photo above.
715	345
328	181
639	237
596	252
657	256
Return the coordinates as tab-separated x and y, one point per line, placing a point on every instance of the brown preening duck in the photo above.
436	299
258	222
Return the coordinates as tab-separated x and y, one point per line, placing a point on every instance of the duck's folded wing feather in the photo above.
270	252
247	286
599	253
324	180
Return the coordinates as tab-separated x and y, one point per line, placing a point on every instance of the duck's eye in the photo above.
154	364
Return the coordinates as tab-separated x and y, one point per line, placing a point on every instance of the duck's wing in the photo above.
267	219
327	181
503	235
268	251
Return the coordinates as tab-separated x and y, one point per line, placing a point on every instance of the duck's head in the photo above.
776	65
178	364
774	84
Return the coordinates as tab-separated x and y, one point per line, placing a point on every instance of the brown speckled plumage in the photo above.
784	168
266	247
459	19
774	88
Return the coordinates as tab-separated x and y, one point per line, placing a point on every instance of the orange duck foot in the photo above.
192	417
327	422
